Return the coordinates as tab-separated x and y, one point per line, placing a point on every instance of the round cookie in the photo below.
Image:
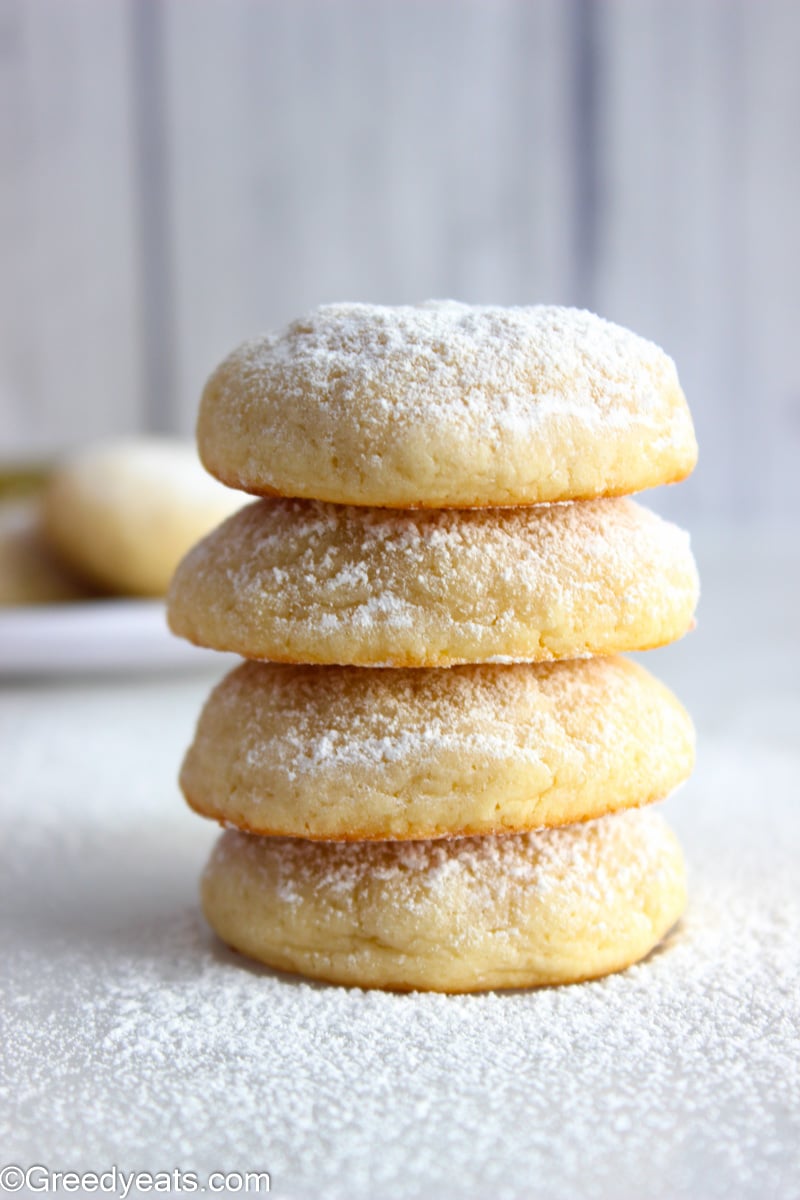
303	581
446	405
465	914
356	754
124	513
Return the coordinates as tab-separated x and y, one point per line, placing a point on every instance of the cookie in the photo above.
464	914
124	513
303	581
356	754
30	573
446	405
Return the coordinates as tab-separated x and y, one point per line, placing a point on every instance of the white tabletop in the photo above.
132	1038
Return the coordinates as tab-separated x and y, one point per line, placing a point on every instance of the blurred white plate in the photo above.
96	636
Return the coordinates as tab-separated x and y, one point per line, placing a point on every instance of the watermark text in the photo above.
116	1182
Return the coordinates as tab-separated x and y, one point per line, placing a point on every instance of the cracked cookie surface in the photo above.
306	581
466	914
350	753
444	404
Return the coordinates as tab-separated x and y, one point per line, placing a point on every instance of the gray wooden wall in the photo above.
177	175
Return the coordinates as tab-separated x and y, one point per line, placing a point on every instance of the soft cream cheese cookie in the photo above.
124	513
357	754
444	404
464	914
303	581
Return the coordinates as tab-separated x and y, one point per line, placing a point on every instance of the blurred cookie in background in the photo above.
30	573
122	514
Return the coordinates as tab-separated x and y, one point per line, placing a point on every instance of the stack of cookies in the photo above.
434	765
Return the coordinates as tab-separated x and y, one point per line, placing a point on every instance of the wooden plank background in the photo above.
176	176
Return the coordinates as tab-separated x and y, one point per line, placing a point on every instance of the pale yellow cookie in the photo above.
556	906
357	754
124	513
302	581
446	405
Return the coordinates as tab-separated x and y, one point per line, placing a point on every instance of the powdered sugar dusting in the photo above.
327	718
446	403
594	863
461	364
131	1036
331	576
